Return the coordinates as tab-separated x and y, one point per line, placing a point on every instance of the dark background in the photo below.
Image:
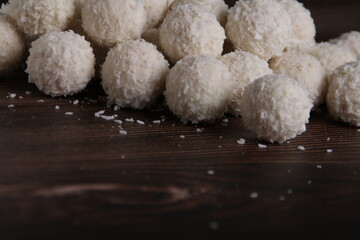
75	177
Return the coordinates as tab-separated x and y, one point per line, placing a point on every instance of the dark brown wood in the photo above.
76	177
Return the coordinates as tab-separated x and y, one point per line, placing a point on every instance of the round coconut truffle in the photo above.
343	99
190	30
217	7
304	29
245	68
12	46
109	22
332	56
304	68
61	63
198	88
263	28
276	108
350	40
156	10
38	17
134	74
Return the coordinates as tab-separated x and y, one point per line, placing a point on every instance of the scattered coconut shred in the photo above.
276	76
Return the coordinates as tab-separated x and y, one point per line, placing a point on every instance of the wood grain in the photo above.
76	177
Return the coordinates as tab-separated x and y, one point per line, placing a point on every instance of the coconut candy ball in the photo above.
217	7
304	30
109	22
189	30
38	17
350	40
245	68
60	63
198	88
305	69
276	108
12	46
263	28
156	10
343	98
134	74
332	56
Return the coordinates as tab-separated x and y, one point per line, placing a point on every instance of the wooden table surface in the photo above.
75	177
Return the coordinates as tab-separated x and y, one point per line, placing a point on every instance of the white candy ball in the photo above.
12	46
217	7
245	68
198	88
304	68
263	28
109	22
350	40
332	56
134	74
304	30
156	10
189	30
61	63
343	99
276	108
38	17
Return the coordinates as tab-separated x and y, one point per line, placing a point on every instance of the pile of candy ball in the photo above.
274	77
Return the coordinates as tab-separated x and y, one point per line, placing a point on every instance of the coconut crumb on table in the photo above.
241	141
118	121
12	95
329	150
40	101
328	139
69	113
108	118
318	166
57	107
262	146
358	130
210	172
123	132
140	122
11	106
27	92
254	195
129	120
76	102
301	148
99	113
200	130
157	121
182	136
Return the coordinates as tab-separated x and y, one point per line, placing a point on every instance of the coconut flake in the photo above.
99	113
254	195
140	122
123	132
69	113
301	148
107	118
241	141
262	146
